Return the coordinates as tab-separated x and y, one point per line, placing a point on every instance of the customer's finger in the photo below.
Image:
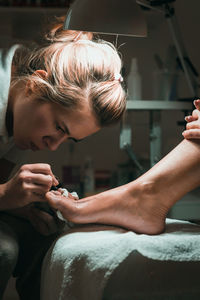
197	103
191	134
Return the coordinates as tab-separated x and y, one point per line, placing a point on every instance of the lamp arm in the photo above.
169	13
191	81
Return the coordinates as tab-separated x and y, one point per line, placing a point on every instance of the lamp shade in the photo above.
122	17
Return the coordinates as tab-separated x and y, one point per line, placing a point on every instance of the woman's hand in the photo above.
193	126
29	184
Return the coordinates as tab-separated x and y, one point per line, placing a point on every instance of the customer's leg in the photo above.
8	255
141	205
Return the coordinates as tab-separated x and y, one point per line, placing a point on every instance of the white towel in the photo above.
81	261
58	213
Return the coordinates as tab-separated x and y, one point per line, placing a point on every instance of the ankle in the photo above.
158	192
150	198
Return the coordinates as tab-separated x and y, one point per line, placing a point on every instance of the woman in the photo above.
67	89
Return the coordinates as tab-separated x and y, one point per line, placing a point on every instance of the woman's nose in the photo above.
53	143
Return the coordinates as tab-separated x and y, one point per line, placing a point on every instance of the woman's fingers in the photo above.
36	178
29	184
38	181
40	168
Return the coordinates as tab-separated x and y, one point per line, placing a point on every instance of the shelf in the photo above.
158	105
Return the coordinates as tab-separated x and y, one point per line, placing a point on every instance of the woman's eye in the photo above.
60	129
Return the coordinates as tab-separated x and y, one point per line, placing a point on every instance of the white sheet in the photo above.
79	264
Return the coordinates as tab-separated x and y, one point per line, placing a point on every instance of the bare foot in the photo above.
135	206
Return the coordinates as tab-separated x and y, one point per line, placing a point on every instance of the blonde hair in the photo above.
79	68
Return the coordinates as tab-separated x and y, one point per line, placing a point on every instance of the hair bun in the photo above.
58	34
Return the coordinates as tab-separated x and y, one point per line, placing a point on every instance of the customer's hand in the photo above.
193	123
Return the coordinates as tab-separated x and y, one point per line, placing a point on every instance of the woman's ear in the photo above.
30	85
41	73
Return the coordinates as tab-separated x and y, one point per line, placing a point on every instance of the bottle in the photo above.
88	180
134	81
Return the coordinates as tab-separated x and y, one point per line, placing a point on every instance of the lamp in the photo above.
121	17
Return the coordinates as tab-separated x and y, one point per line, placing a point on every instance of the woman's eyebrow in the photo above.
66	129
75	140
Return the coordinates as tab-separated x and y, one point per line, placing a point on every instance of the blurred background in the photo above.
99	162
